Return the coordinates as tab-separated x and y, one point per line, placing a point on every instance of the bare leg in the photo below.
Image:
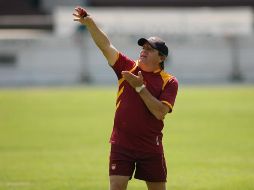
118	182
156	185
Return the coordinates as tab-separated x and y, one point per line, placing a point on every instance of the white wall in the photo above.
41	62
192	60
65	60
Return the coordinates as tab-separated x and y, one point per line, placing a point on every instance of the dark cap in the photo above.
156	43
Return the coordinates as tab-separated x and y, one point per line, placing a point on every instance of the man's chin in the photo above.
142	60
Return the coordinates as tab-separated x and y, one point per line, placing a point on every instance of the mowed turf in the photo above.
57	139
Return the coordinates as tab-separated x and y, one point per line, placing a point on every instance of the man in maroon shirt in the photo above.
146	93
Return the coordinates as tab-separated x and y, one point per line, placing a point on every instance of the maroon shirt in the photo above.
135	127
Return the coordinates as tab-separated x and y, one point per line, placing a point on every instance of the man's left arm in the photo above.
155	106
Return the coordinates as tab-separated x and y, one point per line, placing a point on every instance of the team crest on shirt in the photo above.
113	166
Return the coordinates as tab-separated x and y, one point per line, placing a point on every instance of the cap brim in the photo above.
142	41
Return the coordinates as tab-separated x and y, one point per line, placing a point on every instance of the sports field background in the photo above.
57	139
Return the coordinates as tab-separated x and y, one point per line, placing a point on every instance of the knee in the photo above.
118	183
116	186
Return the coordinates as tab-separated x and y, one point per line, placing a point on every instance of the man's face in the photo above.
149	57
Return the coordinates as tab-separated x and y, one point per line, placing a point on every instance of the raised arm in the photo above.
98	36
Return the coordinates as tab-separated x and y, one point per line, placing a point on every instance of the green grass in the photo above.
57	139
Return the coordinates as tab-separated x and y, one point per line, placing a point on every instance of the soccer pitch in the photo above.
57	139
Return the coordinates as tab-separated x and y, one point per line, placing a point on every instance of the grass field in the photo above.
57	139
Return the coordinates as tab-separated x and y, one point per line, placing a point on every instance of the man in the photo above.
146	94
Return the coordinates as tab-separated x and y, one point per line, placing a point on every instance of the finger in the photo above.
126	75
77	10
132	75
140	75
80	9
74	14
129	74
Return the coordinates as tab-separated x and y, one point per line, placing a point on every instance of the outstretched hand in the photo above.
133	80
81	15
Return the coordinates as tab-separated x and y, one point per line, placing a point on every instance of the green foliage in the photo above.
57	139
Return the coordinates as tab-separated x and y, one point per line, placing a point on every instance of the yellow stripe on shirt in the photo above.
135	66
120	81
120	92
118	104
165	77
168	104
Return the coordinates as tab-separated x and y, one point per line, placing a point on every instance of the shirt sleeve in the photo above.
123	63
169	93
